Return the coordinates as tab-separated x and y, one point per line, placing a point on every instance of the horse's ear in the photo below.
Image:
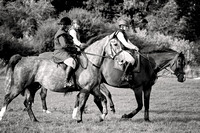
181	53
112	35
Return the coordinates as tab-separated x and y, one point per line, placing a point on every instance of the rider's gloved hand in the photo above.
136	48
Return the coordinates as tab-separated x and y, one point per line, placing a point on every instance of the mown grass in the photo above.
174	108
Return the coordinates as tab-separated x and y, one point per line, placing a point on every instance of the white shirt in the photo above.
72	32
127	44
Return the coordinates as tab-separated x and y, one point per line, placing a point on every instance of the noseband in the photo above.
110	56
170	64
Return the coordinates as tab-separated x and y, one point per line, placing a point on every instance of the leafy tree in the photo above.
109	9
66	5
167	21
189	11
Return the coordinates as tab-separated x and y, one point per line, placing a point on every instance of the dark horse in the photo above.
141	82
25	75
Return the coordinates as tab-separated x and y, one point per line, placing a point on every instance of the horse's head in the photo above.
177	66
114	47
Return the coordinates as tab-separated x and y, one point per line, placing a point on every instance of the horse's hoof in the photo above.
35	120
102	117
113	110
25	109
79	121
125	116
123	119
47	111
147	120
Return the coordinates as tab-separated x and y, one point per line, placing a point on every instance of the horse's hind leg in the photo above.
14	92
30	94
105	90
43	95
147	92
138	96
75	107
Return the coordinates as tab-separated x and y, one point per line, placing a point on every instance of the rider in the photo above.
127	45
123	38
65	38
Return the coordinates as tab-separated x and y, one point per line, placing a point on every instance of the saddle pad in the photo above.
135	67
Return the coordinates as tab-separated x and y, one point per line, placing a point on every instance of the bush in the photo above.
10	46
43	40
159	41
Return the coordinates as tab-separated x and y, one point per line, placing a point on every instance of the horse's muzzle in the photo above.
181	77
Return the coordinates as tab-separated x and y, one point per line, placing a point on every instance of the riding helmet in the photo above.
65	21
123	22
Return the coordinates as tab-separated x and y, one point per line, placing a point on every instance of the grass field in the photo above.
174	108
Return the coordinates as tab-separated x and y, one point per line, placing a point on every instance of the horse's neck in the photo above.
161	59
96	49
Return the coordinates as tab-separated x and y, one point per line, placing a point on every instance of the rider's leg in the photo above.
129	58
131	61
71	64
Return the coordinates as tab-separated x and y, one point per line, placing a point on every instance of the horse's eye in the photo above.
113	42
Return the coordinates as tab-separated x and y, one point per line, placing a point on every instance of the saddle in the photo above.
124	66
50	56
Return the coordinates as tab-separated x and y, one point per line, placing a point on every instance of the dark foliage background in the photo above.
31	24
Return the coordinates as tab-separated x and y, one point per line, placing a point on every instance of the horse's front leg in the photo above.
147	92
30	93
138	96
101	102
76	107
82	99
105	90
43	95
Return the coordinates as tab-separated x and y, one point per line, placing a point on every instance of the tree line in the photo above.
178	18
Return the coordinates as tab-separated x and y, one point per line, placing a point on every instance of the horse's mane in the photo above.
96	38
153	49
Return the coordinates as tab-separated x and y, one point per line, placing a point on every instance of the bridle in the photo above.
170	64
110	56
167	66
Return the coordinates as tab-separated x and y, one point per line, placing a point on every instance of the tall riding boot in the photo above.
69	72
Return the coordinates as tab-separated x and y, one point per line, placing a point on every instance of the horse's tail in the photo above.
9	71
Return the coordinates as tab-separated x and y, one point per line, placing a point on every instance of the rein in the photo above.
103	56
169	64
96	55
163	67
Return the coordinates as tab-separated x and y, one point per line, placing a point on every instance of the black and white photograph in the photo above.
99	66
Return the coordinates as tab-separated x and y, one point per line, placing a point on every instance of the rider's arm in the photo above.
136	48
62	41
72	32
122	39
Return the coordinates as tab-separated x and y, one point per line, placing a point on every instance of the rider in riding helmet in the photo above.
65	39
123	38
125	55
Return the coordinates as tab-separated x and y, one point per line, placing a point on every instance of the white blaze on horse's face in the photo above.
115	46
